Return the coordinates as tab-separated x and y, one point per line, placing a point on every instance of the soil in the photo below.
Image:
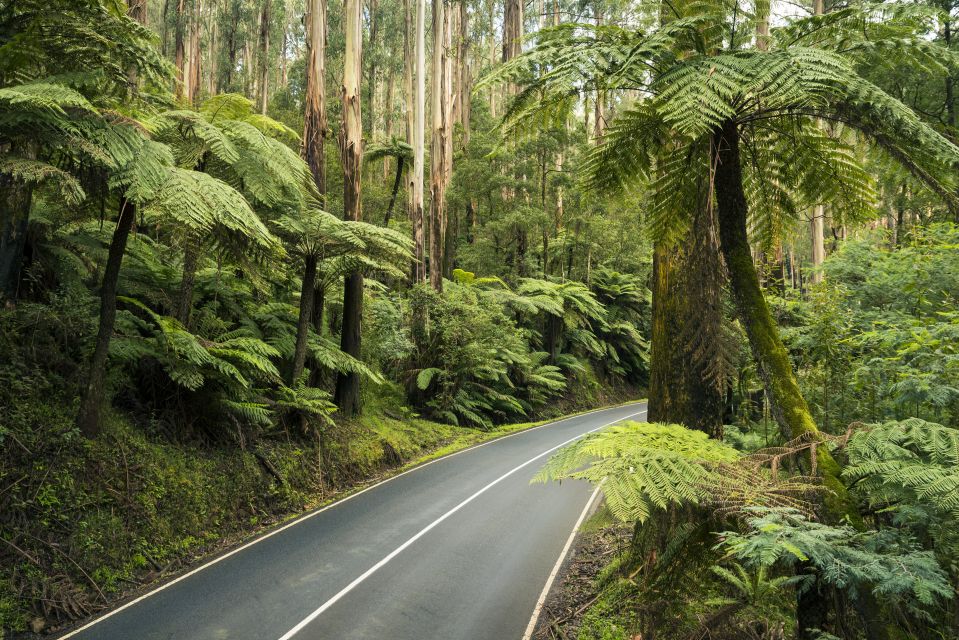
575	591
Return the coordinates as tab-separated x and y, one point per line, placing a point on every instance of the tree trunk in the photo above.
88	419
264	75
13	235
307	292
315	123
347	396
438	146
185	298
787	402
419	130
396	190
816	225
317	319
179	48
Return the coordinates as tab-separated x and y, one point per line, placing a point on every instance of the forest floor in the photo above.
577	587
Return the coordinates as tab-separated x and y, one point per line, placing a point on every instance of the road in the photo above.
458	548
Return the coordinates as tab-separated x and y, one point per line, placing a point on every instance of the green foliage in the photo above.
643	467
888	563
910	463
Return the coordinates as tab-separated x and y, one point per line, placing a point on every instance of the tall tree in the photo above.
315	124
263	82
347	396
817	222
419	130
179	48
439	143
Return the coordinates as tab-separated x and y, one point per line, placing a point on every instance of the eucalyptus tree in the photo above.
347	396
738	125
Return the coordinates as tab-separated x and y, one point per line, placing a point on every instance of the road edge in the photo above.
211	559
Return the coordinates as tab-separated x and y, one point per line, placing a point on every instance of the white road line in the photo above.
379	565
316	513
531	627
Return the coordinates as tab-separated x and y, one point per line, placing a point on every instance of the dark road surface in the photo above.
458	548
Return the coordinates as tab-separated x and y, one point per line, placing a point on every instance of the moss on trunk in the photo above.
788	404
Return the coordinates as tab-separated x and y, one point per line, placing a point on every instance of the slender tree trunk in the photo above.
13	235
816	225
88	419
396	189
307	291
409	35
179	49
264	79
388	117
347	396
464	82
787	402
438	146
419	130
191	256
315	123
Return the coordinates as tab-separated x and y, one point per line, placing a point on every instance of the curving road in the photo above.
458	548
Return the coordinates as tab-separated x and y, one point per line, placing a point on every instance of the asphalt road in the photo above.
458	548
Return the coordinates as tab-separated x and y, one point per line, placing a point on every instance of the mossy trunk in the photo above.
787	402
307	292
684	319
88	419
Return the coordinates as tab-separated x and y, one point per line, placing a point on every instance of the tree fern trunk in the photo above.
88	420
788	404
347	396
303	322
184	305
317	319
13	237
396	190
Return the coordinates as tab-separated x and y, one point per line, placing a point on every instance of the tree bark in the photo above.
787	402
191	256
17	199
347	396
307	291
396	189
419	130
438	148
179	49
264	74
315	123
88	419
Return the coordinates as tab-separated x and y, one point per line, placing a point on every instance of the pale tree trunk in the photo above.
816	225
438	145
388	115
419	131
264	74
465	73
347	396
315	124
371	109
599	116
492	55
409	111
193	87
179	49
214	43
560	157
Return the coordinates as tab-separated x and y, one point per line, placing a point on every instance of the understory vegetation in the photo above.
255	253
